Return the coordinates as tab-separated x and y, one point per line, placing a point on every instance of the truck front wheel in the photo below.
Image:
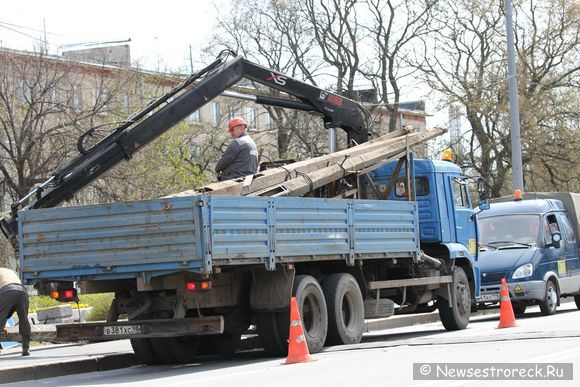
457	316
345	309
577	300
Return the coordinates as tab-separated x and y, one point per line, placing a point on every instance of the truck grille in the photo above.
493	278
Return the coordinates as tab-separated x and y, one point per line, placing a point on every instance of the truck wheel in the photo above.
457	316
519	309
273	332
144	351
312	306
345	309
577	301
550	303
274	327
176	350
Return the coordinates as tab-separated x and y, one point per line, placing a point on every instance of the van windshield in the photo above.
506	229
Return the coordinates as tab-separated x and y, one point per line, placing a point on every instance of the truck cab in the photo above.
447	221
533	244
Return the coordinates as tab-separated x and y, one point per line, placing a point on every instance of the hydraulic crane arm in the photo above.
165	112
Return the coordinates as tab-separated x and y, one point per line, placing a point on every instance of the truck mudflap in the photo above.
103	331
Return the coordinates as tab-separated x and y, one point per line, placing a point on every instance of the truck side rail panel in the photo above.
196	233
109	241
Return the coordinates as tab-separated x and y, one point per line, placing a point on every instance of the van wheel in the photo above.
457	316
345	309
550	303
519	309
577	300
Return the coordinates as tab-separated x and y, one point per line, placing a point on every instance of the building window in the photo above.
77	97
250	116
54	95
215	112
194	117
25	93
231	112
268	119
126	100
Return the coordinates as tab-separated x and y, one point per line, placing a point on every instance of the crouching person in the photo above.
14	298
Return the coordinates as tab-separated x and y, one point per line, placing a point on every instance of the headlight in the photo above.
526	270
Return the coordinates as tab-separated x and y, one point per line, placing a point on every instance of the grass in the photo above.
100	302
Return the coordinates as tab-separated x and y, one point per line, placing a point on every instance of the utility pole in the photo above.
514	104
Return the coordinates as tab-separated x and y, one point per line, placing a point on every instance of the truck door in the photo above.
465	227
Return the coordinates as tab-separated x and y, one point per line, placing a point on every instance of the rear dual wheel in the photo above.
274	327
332	314
345	309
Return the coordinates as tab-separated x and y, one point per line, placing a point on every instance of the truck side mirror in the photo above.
483	199
556	239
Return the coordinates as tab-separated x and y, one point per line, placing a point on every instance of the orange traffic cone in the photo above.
506	313
297	346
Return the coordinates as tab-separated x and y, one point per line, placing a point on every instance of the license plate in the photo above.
122	330
489	297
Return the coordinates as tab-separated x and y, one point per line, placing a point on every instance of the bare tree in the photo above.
464	59
395	27
275	34
45	103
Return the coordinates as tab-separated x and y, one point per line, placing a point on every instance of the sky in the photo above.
161	32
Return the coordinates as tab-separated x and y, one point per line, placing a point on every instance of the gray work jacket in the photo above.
239	159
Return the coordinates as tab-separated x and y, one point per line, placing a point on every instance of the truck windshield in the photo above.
510	229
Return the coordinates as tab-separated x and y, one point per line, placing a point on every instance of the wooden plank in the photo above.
267	183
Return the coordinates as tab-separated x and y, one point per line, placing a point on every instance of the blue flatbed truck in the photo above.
191	274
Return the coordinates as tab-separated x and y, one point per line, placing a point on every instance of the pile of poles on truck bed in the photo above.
303	177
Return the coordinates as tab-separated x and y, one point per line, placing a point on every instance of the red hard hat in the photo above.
237	121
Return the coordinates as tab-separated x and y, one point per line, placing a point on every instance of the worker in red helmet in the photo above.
241	156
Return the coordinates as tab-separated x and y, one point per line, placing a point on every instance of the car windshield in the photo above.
510	229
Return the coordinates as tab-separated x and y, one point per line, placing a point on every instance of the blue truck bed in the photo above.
197	233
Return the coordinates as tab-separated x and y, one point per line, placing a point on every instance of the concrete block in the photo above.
81	315
55	314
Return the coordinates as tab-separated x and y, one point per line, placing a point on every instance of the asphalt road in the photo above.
383	358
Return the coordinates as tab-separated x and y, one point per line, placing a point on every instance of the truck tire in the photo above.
345	307
550	303
381	308
457	316
274	332
577	301
274	327
176	350
144	351
313	312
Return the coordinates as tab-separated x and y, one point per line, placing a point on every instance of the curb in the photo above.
71	367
